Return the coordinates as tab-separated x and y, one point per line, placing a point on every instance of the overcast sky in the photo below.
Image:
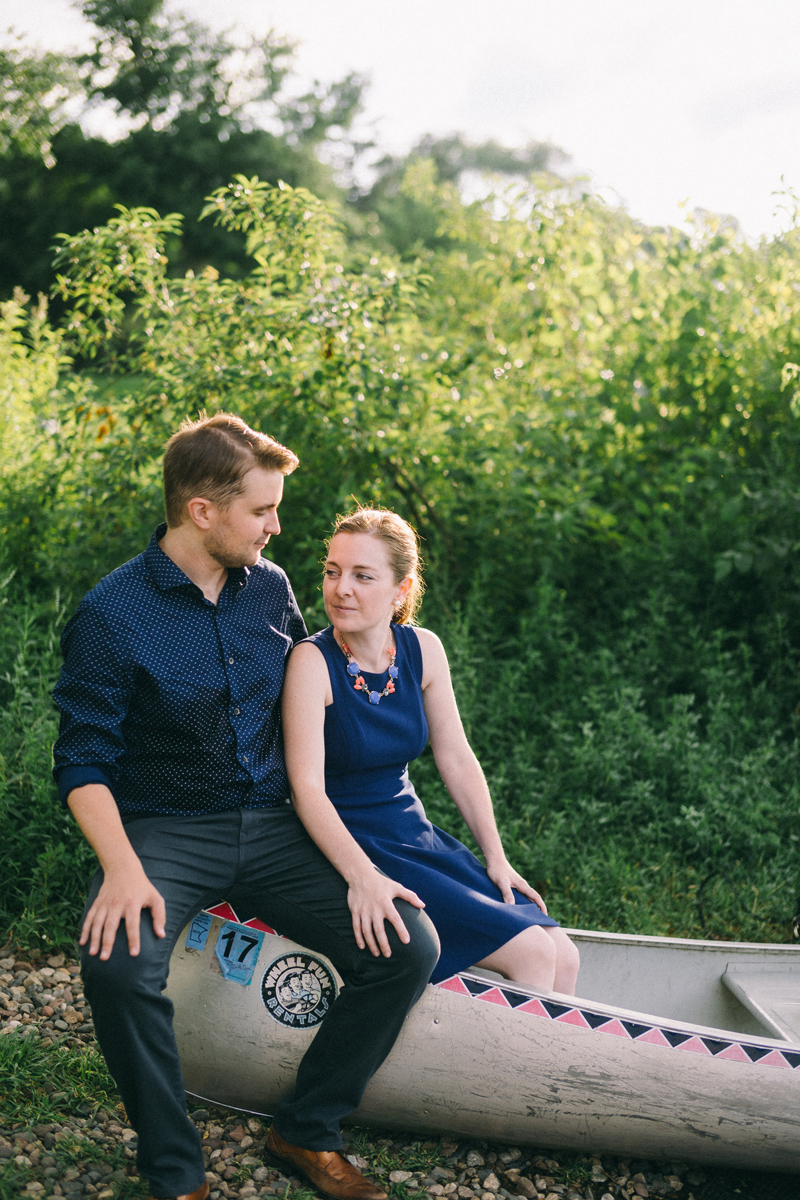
658	101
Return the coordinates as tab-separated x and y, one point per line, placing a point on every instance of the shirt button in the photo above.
244	758
230	660
236	712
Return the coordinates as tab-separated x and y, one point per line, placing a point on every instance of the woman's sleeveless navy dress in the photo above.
367	751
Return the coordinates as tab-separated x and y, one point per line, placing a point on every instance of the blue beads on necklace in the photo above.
360	684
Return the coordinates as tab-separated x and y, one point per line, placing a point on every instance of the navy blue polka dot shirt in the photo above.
170	700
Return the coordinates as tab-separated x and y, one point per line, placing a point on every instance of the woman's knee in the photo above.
568	961
539	945
567	952
529	952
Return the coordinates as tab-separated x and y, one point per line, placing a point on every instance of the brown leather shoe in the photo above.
199	1194
328	1170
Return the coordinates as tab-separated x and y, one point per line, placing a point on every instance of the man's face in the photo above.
237	534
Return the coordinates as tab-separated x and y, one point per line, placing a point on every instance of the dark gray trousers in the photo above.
264	863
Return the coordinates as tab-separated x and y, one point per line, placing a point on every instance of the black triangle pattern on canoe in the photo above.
756	1052
594	1019
514	998
476	987
635	1030
555	1010
714	1046
675	1039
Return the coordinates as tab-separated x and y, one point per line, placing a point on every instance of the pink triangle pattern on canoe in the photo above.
587	1018
596	1021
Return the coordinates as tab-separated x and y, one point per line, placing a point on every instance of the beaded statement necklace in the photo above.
360	683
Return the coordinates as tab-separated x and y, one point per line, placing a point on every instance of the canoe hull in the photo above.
501	1062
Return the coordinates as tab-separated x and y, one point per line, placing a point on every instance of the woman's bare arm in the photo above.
460	769
371	895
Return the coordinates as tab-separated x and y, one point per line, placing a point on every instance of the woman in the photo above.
361	699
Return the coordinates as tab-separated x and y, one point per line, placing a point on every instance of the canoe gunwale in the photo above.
574	1010
769	949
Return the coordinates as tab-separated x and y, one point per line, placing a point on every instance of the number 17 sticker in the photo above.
237	951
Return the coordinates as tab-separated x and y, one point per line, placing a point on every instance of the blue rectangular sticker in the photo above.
237	951
197	936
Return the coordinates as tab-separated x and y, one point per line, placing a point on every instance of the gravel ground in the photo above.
91	1151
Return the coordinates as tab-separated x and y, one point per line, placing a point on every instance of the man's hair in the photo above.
210	457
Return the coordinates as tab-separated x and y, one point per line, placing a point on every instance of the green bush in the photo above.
44	862
633	809
593	426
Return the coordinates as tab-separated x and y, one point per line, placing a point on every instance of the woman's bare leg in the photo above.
542	956
530	958
568	961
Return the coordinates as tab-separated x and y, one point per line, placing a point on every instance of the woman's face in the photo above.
359	589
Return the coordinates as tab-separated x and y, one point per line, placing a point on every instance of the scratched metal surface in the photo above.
482	1070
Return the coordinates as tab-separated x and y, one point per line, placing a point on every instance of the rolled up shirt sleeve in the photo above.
93	695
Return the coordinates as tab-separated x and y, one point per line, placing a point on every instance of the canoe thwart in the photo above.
771	993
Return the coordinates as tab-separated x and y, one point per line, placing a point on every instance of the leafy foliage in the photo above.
194	107
555	391
34	94
593	425
44	862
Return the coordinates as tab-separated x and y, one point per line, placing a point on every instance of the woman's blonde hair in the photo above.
402	544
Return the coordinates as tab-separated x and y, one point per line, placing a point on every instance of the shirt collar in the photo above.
166	574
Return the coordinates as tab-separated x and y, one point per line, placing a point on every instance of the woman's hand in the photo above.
371	900
504	877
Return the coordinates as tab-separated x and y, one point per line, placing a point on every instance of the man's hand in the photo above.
371	900
122	897
125	890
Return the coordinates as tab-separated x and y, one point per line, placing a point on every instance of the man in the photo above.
170	758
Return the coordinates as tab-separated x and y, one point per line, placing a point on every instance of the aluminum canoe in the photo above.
679	1049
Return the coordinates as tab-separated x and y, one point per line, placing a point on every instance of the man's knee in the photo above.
124	974
420	955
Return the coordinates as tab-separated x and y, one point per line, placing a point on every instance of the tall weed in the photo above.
44	862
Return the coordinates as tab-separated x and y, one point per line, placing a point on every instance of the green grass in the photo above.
44	1084
44	862
40	1083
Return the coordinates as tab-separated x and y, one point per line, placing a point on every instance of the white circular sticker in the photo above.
298	990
